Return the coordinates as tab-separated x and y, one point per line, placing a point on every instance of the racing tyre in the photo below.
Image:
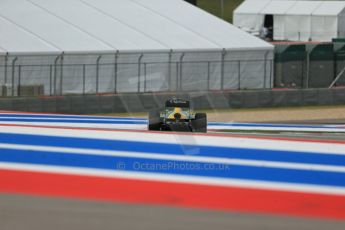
200	123
154	120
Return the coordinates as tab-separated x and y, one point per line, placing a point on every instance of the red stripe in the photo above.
174	194
184	134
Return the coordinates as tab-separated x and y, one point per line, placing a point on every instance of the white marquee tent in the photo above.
294	20
123	43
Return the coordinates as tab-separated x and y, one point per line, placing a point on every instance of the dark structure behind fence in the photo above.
309	65
93	104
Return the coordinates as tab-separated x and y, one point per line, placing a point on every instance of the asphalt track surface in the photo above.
19	212
34	209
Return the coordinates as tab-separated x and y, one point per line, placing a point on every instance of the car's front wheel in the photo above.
154	120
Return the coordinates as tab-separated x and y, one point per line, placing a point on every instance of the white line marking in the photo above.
72	119
195	140
194	158
296	129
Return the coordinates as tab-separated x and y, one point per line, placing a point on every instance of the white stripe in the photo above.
9	113
256	126
261	128
195	158
278	125
186	139
144	126
226	126
331	190
80	125
72	119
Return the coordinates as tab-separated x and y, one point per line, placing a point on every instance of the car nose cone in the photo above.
177	116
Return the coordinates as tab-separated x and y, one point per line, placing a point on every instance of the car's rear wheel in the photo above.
154	120
200	123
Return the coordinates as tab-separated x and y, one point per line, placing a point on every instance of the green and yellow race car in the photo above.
177	115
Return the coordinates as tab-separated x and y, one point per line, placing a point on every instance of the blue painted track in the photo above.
160	158
177	167
174	149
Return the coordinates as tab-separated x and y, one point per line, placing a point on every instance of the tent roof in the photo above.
277	7
291	7
108	25
330	8
304	7
251	6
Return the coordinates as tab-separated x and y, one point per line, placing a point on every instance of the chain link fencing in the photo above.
112	73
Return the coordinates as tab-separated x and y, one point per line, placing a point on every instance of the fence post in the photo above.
208	75
139	70
55	72
222	8
265	71
61	74
97	73
271	73
19	79
239	74
115	71
169	69
222	70
5	73
308	66
145	77
181	72
177	74
84	73
13	72
50	79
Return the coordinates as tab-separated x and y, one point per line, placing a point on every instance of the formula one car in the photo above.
177	115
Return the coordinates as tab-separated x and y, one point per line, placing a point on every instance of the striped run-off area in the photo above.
39	156
105	122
